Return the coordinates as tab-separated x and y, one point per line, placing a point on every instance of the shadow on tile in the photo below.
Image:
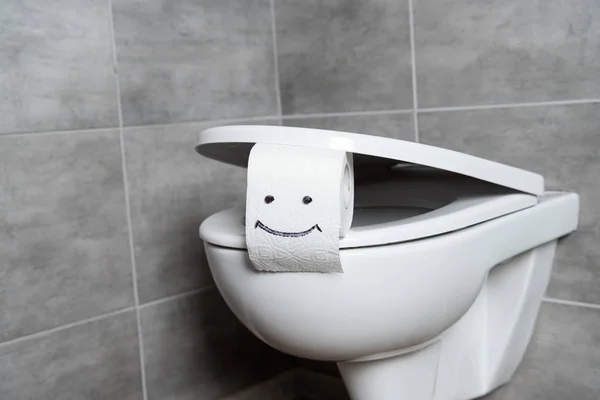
194	346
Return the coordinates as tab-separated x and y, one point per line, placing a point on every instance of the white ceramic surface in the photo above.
445	267
231	144
398	298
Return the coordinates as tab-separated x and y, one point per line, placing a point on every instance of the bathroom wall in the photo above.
513	81
104	287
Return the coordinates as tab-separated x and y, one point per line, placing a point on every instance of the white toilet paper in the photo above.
299	202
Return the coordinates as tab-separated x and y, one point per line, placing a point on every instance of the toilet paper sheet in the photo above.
299	203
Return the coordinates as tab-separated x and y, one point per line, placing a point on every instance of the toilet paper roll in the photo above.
299	202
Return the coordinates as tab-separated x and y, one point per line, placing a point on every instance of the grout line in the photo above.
175	297
65	132
67	326
128	206
571	303
276	57
204	122
103	316
411	23
345	114
173	124
316	115
510	105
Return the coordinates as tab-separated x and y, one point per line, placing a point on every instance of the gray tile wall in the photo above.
105	290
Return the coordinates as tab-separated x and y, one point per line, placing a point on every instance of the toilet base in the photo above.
476	355
406	376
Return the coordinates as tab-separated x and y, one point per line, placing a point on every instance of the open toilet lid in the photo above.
232	145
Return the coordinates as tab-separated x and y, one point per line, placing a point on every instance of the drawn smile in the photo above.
286	234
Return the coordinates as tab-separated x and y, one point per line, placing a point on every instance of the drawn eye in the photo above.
307	199
269	199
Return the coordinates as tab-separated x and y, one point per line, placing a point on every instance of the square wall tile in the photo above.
172	189
196	348
95	361
341	55
563	360
186	60
396	126
559	142
56	66
64	246
506	51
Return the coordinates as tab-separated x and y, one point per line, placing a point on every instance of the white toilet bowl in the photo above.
443	278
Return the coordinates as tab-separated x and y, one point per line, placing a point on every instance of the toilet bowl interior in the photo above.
412	202
396	203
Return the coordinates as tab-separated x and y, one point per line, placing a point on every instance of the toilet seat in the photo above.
232	145
415	191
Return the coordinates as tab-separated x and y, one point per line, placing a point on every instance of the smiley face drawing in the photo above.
289	230
268	200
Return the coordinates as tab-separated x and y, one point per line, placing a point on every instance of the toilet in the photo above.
444	267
